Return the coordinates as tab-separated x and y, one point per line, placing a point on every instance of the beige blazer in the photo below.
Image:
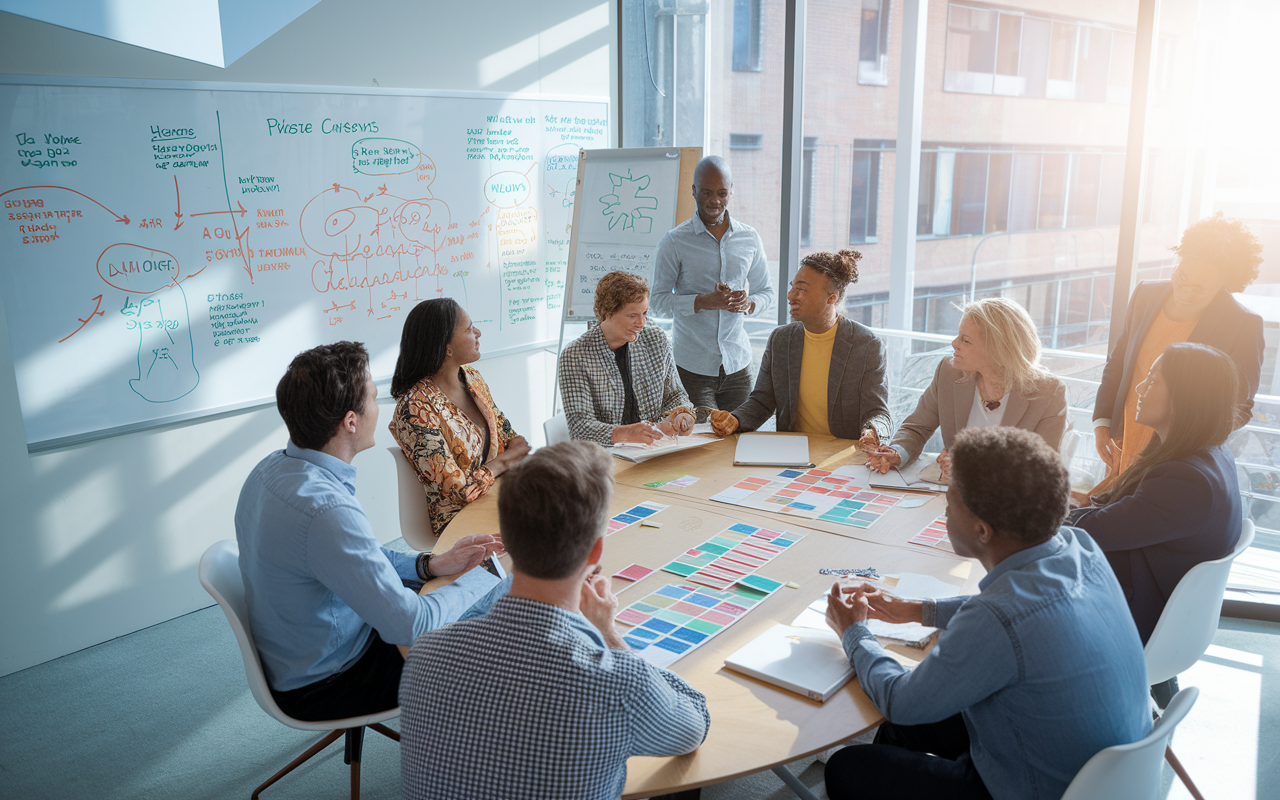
949	400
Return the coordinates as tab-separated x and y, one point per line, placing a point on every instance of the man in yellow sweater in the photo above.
822	373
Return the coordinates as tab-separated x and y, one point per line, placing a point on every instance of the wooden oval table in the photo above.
754	725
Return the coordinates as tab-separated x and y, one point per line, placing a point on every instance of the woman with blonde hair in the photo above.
618	381
994	377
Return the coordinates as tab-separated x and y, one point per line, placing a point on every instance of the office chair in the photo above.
415	518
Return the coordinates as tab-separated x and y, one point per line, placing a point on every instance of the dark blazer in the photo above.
1184	512
1225	324
856	394
948	402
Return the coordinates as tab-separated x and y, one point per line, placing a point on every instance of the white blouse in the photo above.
980	417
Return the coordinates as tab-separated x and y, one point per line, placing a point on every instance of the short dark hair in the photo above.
424	342
554	505
840	269
318	389
1012	480
1226	243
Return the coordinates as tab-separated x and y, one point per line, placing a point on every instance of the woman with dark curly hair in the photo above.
1217	256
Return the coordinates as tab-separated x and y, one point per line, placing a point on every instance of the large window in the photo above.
747	35
864	198
1010	52
873	43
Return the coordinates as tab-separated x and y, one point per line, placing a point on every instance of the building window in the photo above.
873	43
746	141
864	196
990	51
806	191
747	35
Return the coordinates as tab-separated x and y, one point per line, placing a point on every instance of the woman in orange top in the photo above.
1217	256
445	419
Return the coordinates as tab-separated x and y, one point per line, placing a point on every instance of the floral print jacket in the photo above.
446	448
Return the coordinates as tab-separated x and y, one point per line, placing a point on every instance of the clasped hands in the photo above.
724	298
850	603
678	422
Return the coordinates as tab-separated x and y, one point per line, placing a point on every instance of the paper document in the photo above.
909	584
667	444
764	450
908	477
807	661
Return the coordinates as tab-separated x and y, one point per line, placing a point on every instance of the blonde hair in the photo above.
1010	339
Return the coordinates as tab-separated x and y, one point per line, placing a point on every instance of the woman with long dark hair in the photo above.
445	419
1178	504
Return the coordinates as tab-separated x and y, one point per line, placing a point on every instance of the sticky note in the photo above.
635	572
649	523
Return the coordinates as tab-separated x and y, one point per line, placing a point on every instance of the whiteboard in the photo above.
171	246
628	200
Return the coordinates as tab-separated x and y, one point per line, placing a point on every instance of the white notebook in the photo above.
909	477
771	450
804	660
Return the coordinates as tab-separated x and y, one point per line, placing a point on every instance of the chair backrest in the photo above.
415	515
1190	618
1132	771
556	429
221	578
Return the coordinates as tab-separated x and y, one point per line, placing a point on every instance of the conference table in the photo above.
754	725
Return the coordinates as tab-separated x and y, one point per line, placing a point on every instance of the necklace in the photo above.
989	405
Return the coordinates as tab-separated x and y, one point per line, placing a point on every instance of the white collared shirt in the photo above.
691	262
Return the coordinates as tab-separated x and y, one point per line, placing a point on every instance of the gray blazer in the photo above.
856	395
948	401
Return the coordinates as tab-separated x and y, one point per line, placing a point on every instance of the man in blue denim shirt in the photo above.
327	604
1029	678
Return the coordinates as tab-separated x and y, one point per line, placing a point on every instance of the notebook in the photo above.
909	477
771	450
803	660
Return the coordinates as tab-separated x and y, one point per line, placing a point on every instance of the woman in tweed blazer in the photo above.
619	378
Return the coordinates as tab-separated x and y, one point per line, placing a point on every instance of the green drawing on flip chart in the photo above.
625	206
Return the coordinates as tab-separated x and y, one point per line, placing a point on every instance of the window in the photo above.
1024	194
991	51
746	141
663	66
864	197
1086	177
747	35
968	193
806	191
1053	191
873	44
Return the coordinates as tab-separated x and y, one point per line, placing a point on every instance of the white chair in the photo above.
556	429
220	576
1132	771
415	515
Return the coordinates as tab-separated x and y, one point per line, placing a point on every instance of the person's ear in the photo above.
348	423
597	550
985	533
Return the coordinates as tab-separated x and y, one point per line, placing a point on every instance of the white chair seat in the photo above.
415	513
556	429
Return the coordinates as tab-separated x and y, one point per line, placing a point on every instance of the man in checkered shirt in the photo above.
540	697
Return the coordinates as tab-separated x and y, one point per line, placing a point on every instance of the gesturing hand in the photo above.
944	461
681	421
723	423
885	606
883	460
845	608
466	554
636	433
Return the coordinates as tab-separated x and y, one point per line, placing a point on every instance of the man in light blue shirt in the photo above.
1029	678
710	274
327	604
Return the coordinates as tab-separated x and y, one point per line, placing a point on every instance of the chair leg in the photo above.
1182	773
385	731
355	746
329	739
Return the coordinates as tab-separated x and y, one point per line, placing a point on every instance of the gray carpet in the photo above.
166	713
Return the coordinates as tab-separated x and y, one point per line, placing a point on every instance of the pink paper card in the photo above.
635	572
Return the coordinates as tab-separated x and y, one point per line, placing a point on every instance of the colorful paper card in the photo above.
829	495
678	618
634	514
635	572
685	482
934	535
731	555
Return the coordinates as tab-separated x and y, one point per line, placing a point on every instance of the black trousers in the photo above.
898	765
370	685
725	392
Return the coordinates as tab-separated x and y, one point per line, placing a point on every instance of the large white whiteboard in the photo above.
626	202
170	247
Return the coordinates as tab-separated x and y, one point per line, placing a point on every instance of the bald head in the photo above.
712	188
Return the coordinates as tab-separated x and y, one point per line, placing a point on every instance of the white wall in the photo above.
102	539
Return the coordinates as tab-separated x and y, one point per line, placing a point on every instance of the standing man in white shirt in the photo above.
711	273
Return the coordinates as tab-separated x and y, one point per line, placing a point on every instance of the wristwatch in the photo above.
423	566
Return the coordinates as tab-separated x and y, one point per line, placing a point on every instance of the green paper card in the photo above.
761	583
683	570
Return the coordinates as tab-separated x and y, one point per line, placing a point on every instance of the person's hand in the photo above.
884	459
637	433
598	604
466	554
723	423
514	453
1106	447
845	608
723	298
944	461
737	301
885	606
681	421
869	440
